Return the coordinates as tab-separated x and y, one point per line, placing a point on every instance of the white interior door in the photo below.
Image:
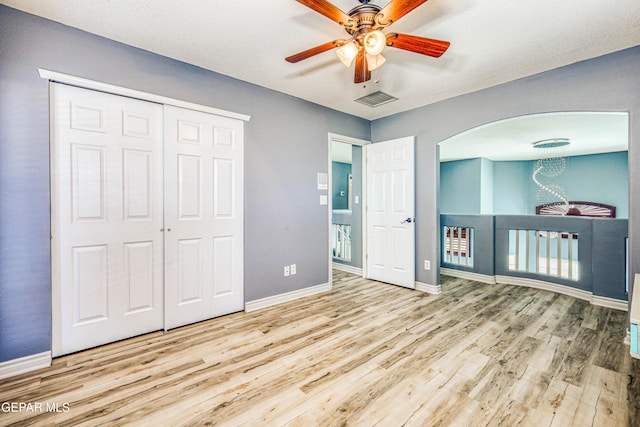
106	175
203	216
391	212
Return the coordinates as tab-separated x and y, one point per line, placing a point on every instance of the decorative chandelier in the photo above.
551	163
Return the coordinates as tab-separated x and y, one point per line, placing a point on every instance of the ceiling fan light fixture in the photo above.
347	53
375	61
374	42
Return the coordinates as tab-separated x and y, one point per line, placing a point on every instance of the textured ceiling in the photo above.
492	42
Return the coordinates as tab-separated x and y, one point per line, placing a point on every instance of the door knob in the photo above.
409	220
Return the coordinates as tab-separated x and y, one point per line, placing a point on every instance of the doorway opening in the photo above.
346	202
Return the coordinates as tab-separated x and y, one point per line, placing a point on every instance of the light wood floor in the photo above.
363	354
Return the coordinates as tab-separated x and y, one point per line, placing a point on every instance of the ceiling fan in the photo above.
364	24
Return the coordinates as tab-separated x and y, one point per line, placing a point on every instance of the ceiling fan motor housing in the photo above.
364	17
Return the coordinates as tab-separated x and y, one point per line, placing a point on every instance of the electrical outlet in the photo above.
286	270
427	264
293	269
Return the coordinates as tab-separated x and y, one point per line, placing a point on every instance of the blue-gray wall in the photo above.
340	184
509	184
461	186
607	83
602	178
285	147
506	188
486	186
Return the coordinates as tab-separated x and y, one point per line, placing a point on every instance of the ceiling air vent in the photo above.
376	99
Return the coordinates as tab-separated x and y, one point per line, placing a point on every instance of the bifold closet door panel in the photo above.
106	196
203	164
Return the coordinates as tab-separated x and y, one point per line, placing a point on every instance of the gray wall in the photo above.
340	184
285	147
607	83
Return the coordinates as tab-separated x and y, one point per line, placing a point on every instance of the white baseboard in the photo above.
430	289
565	290
468	275
616	304
286	297
347	268
19	366
545	286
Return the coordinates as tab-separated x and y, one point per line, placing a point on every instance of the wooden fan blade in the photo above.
362	69
422	45
396	9
327	9
314	51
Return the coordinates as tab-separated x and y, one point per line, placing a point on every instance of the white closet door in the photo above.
203	216
106	177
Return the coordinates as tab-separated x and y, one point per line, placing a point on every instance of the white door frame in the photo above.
361	143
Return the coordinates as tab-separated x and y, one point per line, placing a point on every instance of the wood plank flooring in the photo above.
364	354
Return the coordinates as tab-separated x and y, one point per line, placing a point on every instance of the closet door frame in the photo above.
55	77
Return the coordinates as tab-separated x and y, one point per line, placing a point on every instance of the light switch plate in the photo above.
323	199
323	181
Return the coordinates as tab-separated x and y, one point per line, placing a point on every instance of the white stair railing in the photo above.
342	242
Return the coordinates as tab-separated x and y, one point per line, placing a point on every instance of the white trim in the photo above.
132	93
565	290
347	139
546	286
347	268
430	289
601	301
286	297
468	275
613	303
25	364
634	315
364	203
